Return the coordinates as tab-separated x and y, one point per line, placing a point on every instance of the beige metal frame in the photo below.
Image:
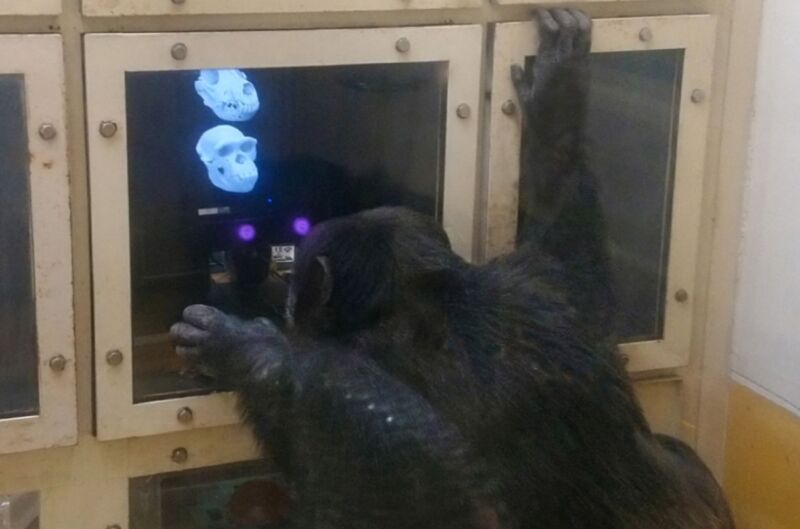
39	59
205	7
695	35
30	7
87	485
109	56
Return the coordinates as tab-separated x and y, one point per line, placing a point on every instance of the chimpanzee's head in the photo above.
353	272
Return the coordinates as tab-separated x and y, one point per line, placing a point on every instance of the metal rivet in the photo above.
403	45
180	455
681	296
185	415
698	95
58	363
178	2
114	357
463	111
113	526
179	51
108	128
47	131
646	35
509	108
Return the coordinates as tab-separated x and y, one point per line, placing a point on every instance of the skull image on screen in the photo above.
228	93
230	158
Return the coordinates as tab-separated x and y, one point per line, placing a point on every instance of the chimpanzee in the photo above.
415	390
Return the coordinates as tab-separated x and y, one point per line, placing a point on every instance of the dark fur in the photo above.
415	390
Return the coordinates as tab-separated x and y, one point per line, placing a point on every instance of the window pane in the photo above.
242	496
229	168
19	511
632	129
19	394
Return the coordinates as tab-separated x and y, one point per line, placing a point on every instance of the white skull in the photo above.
228	93
230	158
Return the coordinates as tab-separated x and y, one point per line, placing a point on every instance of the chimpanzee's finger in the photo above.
188	353
583	39
548	29
187	334
569	28
520	82
202	316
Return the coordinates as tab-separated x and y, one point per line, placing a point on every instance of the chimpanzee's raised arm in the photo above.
560	213
554	98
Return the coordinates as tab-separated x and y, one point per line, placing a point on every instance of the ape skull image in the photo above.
230	158
228	93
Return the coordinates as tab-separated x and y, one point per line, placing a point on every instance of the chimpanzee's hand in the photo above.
225	346
560	72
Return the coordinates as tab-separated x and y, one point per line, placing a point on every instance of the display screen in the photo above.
229	169
19	377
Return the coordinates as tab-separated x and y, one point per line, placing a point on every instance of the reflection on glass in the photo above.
241	496
19	511
19	395
217	207
632	129
228	94
230	158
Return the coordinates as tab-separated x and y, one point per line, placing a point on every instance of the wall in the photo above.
763	472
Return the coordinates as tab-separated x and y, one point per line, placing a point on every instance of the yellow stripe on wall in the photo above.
762	462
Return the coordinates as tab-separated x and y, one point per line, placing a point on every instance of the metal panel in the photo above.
39	60
205	7
30	7
109	57
693	34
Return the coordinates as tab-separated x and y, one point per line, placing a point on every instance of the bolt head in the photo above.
114	357
509	108
180	455
463	111
646	35
114	526
185	415
681	296
179	51
403	45
698	95
58	363
108	128
47	131
178	2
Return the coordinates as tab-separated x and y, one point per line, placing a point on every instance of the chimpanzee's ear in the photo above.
321	279
313	289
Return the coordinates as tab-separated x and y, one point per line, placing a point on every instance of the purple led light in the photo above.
246	232
301	226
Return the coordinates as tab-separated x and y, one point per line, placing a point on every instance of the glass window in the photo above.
228	170
632	132
19	394
241	496
19	511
